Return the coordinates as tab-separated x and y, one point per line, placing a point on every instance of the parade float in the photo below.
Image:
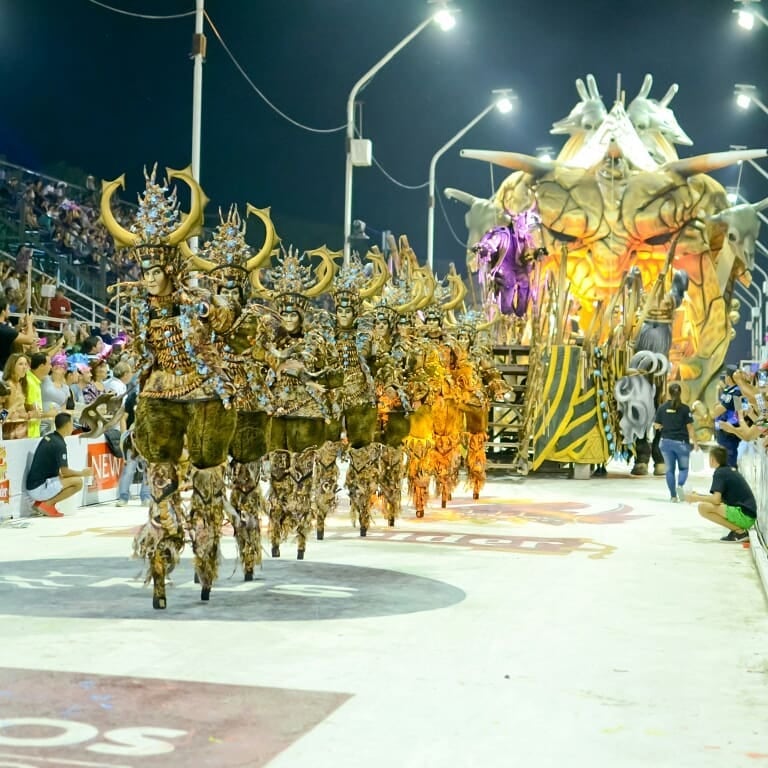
632	256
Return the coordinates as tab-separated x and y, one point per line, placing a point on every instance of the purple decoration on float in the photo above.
505	258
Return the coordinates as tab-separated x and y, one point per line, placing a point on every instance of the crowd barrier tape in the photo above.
16	457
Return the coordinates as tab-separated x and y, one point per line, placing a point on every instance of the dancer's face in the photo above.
230	294
156	282
291	320
345	317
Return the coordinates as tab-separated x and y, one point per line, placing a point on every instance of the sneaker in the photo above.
735	536
680	493
48	509
673	499
121	502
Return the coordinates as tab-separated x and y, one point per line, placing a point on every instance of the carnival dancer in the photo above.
479	383
446	417
227	261
351	386
297	355
185	388
393	366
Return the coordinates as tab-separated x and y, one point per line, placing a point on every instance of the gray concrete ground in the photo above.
587	623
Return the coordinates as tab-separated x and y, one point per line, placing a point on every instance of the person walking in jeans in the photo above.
675	422
133	461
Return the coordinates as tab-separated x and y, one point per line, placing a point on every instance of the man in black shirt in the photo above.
730	502
50	479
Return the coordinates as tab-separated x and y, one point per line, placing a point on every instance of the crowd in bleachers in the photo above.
40	380
63	219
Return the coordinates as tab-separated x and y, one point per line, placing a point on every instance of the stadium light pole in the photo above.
445	18
746	13
503	102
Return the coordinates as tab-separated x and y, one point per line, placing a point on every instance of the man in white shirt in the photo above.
121	375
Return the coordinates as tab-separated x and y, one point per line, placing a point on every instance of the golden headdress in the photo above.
159	227
294	282
354	282
226	257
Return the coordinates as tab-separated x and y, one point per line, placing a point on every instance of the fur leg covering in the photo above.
281	486
419	472
301	508
445	461
476	461
325	483
391	480
362	482
205	520
247	504
161	539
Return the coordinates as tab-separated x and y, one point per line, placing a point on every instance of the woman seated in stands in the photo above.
56	394
95	387
15	378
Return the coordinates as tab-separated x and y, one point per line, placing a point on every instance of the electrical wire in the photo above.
142	15
395	181
461	242
260	94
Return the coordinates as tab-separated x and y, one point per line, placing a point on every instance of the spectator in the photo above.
121	375
730	501
39	368
93	346
95	387
724	411
675	421
23	259
50	480
105	333
15	378
60	307
73	379
56	393
9	336
133	462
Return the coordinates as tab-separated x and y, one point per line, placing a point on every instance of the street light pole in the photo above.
198	54
504	97
745	94
432	165
747	14
351	128
442	16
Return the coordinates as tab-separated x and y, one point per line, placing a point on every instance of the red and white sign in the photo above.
105	465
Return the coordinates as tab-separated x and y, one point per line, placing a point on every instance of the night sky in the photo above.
109	93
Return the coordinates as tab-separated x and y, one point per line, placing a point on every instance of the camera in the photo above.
3	415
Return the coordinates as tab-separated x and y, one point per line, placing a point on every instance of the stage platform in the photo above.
553	622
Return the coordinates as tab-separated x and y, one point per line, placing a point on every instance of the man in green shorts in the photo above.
730	501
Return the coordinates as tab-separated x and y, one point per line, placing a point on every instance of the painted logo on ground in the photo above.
101	721
527	545
284	590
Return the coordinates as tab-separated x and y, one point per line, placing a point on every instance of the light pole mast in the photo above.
198	55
